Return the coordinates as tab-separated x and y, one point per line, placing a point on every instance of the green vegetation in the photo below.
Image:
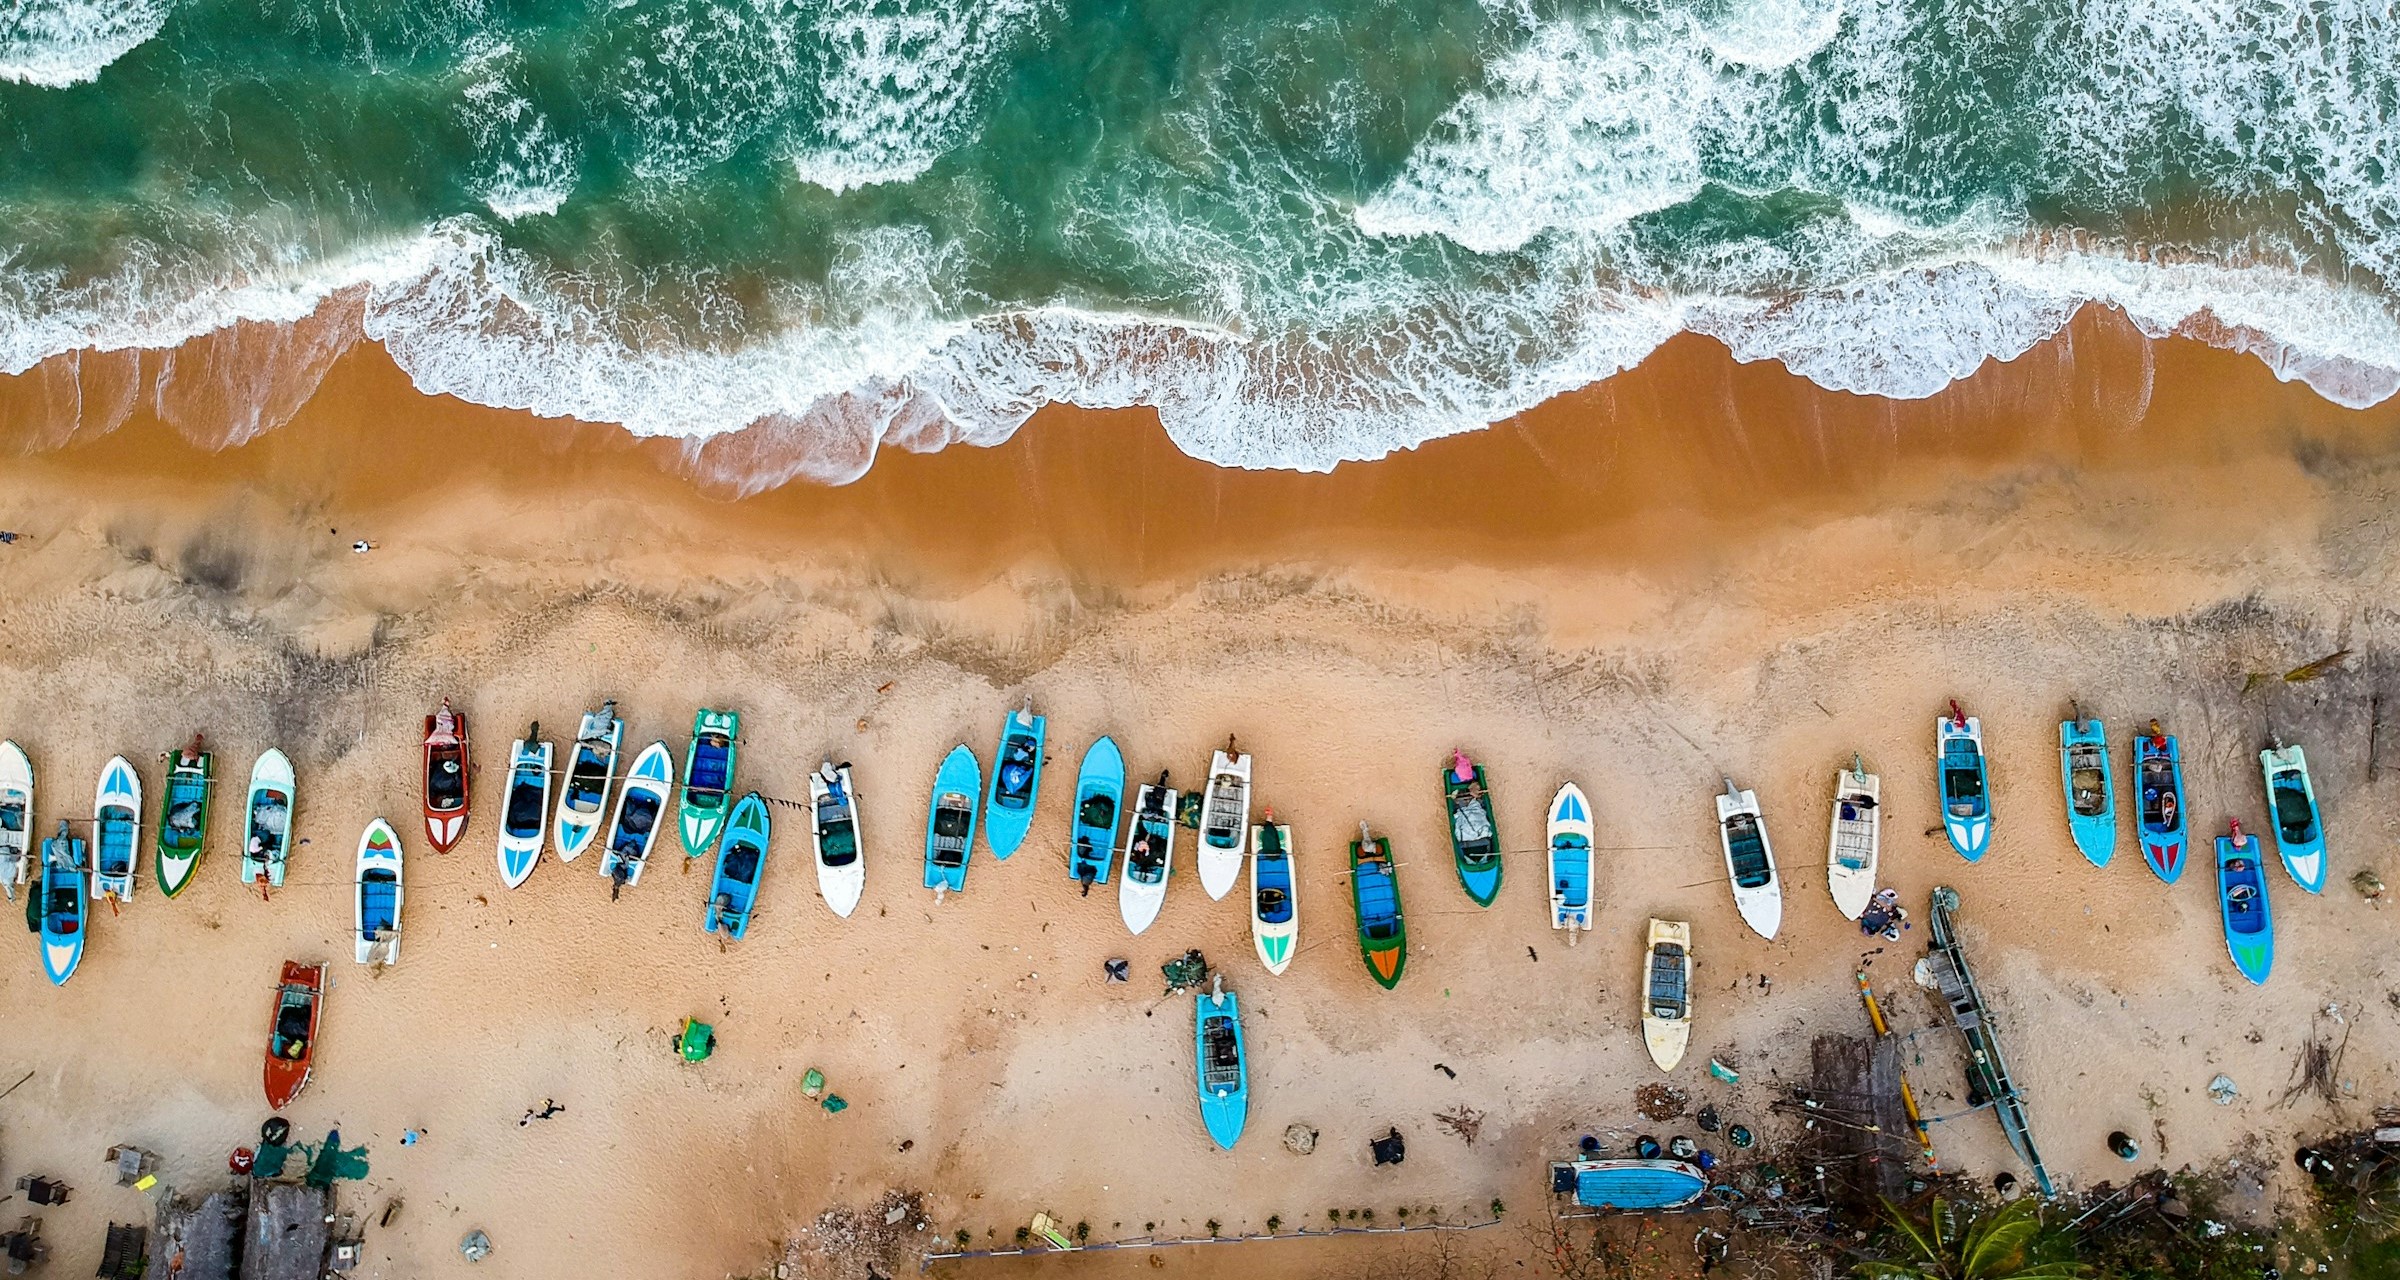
1951	1244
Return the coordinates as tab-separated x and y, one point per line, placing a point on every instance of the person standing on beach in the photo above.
550	1108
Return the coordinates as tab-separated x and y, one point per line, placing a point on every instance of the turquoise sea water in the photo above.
1305	231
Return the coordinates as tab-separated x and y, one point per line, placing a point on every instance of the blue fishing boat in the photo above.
1629	1186
1222	1069
2242	901
741	861
1099	799
1016	780
2091	790
1570	861
2299	826
64	906
950	821
1274	900
1966	795
2158	777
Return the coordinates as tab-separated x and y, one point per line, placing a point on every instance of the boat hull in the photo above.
1854	844
1570	829
1750	862
179	850
2293	815
1667	992
957	787
706	796
528	795
2243	908
1272	869
2083	750
2157	775
1224	824
1224	1087
591	771
377	895
1016	783
117	804
1966	795
292	1032
1629	1186
1102	778
64	907
631	834
18	848
1476	853
448	769
267	815
1382	921
741	868
1138	897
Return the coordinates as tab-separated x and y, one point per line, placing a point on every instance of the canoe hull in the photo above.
1224	824
2083	749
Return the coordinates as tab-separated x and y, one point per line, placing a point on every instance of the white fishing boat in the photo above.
526	809
17	854
1224	821
375	898
634	828
1149	855
117	824
1750	860
841	872
267	819
590	769
1274	895
1570	861
1856	841
1667	992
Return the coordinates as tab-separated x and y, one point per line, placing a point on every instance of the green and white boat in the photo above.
707	779
183	817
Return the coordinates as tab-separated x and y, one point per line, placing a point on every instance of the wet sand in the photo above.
1698	569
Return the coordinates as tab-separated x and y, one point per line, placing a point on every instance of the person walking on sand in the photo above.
550	1108
361	547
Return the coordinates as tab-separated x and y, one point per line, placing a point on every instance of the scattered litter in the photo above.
2222	1090
1465	1121
1185	972
1660	1101
1708	1119
1739	1137
2369	885
1445	1070
1117	969
1682	1148
476	1246
1299	1139
1390	1148
1723	1072
835	1104
812	1084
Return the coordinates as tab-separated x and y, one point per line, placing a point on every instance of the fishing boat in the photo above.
590	770
833	827
634	828
446	775
2158	775
700	808
183	816
1149	854
1224	821
741	862
1966	802
2299	825
1274	895
1222	1070
292	1036
1988	1078
527	808
1855	845
60	896
1375	896
1099	797
1750	860
2091	790
267	820
1667	992
1570	862
376	900
2242	903
950	821
1629	1186
17	854
1016	781
117	830
1475	832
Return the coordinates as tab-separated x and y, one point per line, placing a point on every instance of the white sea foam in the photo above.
56	43
899	84
527	168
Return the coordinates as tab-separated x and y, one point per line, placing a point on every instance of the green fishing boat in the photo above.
183	817
1474	835
707	779
1375	893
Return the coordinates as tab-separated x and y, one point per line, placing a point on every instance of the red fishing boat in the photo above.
445	777
292	1037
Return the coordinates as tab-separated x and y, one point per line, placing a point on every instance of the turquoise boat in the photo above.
2090	788
950	821
1966	789
1099	801
2299	826
1629	1186
707	779
63	905
1222	1068
2158	778
2242	902
1016	781
741	861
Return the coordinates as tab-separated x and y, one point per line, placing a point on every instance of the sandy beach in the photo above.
1700	569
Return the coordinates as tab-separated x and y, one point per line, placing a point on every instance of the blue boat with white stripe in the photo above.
1966	791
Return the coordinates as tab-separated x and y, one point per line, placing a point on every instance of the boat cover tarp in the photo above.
1636	1187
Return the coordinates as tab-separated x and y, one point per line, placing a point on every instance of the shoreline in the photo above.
1578	594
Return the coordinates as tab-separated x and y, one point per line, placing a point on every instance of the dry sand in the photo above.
1700	569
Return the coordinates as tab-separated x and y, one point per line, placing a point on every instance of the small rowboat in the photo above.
183	816
1224	821
267	825
446	771
1099	798
1856	843
741	862
376	918
1149	855
292	1036
17	854
1629	1186
1474	832
1750	860
2158	775
2242	903
1966	803
1274	895
527	807
1570	862
950	822
1223	1071
2299	826
1016	782
60	898
589	772
634	829
1667	1002
2091	789
833	826
1375	896
117	806
707	780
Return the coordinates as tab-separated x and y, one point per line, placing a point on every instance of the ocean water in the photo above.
1305	232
